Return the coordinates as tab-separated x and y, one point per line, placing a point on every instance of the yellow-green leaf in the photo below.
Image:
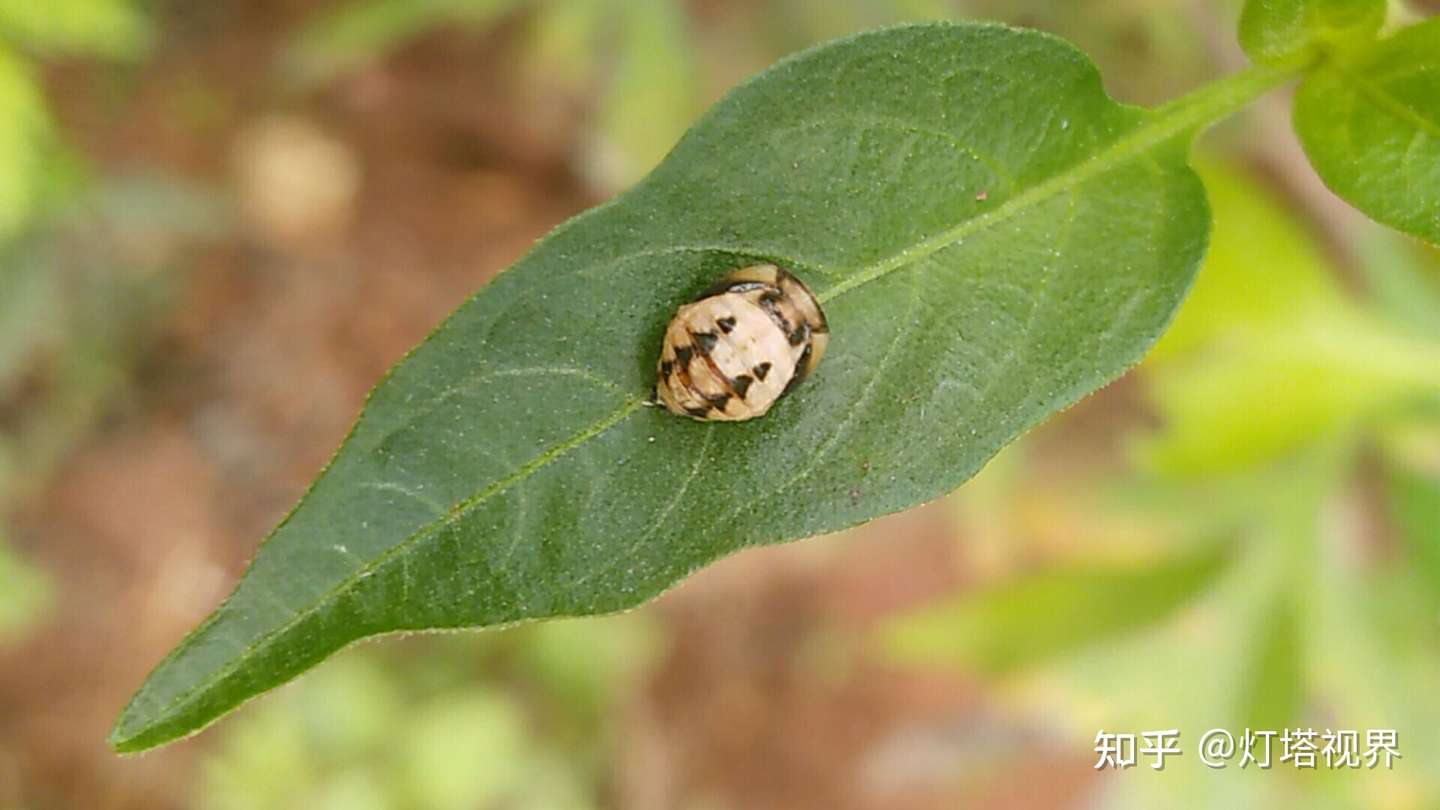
1036	618
24	135
1371	128
114	28
1279	31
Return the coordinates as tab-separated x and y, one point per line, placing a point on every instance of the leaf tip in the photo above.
135	731
124	739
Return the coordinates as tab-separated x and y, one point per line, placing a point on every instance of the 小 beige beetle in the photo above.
741	346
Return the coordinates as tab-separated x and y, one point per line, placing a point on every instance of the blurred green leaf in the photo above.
357	789
564	38
1034	619
1414	500
361	735
464	752
651	97
1278	31
112	28
1267	354
614	649
979	273
25	593
25	132
1273	682
1263	269
263	763
1371	128
354	713
1257	397
79	292
1404	281
358	32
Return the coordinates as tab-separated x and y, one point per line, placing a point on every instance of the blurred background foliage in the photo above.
371	733
1292	411
39	183
219	224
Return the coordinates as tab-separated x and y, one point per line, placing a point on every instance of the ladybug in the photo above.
741	346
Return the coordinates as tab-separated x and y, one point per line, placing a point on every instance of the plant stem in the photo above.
1223	98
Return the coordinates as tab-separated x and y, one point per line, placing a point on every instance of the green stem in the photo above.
1223	98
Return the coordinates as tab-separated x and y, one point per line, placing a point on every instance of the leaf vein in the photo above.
1151	131
1383	99
660	519
903	125
1036	302
861	401
391	486
536	464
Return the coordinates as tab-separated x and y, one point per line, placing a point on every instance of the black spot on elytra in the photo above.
697	410
726	324
742	384
800	334
705	341
683	354
799	370
666	367
718	401
762	370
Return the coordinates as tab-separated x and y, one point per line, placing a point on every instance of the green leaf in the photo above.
25	593
1414	501
25	134
1273	686
1267	355
1258	397
652	92
1371	128
1035	619
1263	269
1402	281
993	239
1281	31
113	28
563	42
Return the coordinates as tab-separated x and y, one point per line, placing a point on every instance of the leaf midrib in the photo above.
1151	132
1386	102
455	512
1156	127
